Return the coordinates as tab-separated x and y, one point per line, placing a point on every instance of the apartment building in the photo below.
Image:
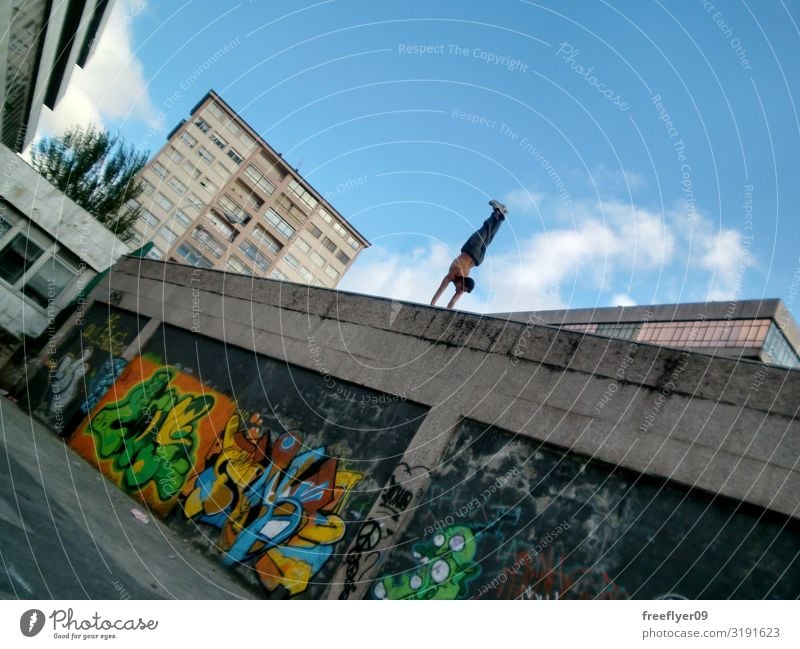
218	196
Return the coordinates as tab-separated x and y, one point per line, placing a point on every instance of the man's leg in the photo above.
476	245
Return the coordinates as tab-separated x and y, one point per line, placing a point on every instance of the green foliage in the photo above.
96	170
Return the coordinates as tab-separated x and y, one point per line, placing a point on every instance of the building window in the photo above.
252	252
233	128
246	141
205	156
303	196
251	200
330	245
159	169
220	141
275	168
202	124
220	226
302	244
331	272
291	209
177	185
290	259
339	229
318	259
193	256
148	218
266	239
174	155
193	202
210	187
279	224
343	258
305	274
222	170
154	253
5	224
204	237
49	280
353	243
258	178
325	216
182	219
166	233
232	210
147	188
17	257
188	140
190	169
234	155
216	111
314	230
237	266
163	202
276	274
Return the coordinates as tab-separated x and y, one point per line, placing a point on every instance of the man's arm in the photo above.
441	290
454	299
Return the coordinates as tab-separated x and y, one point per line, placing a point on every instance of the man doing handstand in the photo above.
472	253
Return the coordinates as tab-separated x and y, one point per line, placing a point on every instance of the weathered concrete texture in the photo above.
728	427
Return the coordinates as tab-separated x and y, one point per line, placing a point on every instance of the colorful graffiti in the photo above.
88	362
65	378
275	500
445	568
108	373
546	578
149	430
365	555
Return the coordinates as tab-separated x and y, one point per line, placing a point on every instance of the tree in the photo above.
96	170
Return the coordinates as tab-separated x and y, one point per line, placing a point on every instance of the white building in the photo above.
50	248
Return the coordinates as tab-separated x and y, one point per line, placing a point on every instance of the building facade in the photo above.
50	249
40	44
761	330
218	196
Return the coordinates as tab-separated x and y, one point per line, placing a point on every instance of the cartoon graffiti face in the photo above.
446	567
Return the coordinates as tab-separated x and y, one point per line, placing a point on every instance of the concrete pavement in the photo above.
68	533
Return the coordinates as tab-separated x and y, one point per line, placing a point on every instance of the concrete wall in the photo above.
503	459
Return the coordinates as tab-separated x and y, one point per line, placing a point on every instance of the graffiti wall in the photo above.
80	369
276	465
506	518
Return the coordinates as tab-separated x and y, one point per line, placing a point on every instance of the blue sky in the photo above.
647	150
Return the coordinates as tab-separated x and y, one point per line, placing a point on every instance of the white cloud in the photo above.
410	277
622	299
726	255
111	86
613	248
523	201
606	245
